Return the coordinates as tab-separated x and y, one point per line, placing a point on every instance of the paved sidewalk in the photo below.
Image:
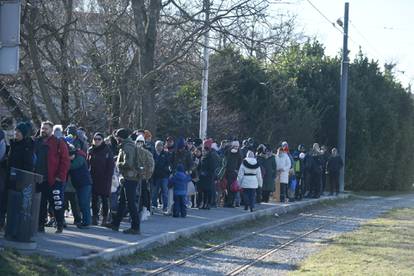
100	242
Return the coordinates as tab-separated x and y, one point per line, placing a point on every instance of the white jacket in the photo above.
283	164
250	175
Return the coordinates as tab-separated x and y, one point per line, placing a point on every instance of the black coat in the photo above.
268	166
101	165
21	154
162	163
208	166
334	164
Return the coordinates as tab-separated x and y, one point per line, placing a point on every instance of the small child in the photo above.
179	183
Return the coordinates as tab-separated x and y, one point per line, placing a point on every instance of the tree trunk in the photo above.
37	67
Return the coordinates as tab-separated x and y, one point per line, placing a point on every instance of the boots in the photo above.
94	220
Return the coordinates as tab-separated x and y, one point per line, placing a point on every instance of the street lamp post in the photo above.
342	100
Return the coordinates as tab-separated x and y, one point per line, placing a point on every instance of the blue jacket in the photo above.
179	182
79	173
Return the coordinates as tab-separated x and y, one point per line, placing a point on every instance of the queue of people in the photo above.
126	174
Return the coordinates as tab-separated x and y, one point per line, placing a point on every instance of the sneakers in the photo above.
131	231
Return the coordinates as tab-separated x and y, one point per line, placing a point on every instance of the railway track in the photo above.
253	261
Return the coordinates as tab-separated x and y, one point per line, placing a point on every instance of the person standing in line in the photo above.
179	183
20	156
53	163
207	173
81	180
231	165
315	171
283	165
334	166
130	183
250	179
267	162
101	165
161	174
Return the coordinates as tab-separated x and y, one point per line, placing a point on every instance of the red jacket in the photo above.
58	162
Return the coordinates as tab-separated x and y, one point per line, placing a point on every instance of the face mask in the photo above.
234	150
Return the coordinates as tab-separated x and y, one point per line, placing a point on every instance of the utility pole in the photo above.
342	101
204	85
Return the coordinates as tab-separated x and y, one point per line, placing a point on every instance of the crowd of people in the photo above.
128	174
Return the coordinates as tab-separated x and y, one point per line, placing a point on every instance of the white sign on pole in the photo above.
9	36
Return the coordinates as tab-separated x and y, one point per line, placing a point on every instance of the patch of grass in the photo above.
14	263
381	193
383	246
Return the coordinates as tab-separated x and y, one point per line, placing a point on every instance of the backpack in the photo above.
144	159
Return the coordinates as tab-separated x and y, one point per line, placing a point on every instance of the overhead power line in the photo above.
324	16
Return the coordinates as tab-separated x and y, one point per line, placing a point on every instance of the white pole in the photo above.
204	85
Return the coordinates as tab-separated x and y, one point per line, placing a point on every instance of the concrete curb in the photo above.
163	239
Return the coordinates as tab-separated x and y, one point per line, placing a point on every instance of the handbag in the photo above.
191	188
235	187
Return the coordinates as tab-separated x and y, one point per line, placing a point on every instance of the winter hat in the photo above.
58	131
198	142
180	168
140	138
99	134
24	128
71	130
159	143
122	133
180	143
261	149
208	143
170	138
147	135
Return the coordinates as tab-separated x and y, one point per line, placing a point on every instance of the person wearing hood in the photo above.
250	179
161	174
130	184
231	164
267	162
170	144
208	165
82	182
101	165
58	131
72	137
283	165
179	183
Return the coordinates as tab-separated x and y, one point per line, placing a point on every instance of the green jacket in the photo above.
126	160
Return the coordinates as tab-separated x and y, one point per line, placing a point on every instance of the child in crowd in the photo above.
179	184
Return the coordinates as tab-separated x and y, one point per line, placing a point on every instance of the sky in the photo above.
384	29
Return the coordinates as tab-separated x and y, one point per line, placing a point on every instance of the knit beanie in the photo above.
208	143
122	133
140	138
24	128
99	134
